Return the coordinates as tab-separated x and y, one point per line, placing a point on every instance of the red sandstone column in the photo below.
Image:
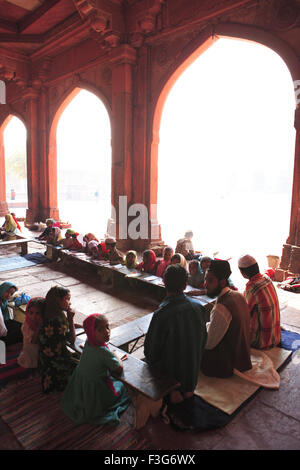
122	58
33	175
3	203
145	151
48	173
290	260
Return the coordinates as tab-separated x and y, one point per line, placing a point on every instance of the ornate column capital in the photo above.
124	54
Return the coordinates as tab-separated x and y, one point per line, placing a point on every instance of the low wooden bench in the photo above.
21	241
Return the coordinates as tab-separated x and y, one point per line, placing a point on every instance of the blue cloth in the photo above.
4	303
17	262
290	340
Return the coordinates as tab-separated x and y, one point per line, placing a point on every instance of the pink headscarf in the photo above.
150	265
89	328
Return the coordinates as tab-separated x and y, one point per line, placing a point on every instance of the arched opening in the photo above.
14	144
226	151
83	141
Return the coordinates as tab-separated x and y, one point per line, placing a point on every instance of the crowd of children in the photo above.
92	392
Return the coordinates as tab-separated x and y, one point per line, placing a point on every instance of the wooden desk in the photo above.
148	381
122	336
23	242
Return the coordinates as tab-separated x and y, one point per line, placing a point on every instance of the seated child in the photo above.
131	259
76	245
164	263
10	330
196	274
54	236
114	256
55	362
93	395
28	357
101	252
178	258
91	242
67	241
149	263
48	229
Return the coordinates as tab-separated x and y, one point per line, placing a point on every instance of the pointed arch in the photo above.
188	55
50	184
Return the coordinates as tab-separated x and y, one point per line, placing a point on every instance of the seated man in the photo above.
185	246
177	334
228	343
263	305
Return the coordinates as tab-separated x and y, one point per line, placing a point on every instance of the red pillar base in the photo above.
3	208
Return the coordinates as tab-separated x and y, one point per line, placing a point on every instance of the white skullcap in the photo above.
245	261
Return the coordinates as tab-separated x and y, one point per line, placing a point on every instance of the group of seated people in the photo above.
179	342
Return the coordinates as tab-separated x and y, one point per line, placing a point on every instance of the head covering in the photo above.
89	328
36	324
50	220
196	279
134	263
10	224
110	240
149	265
220	268
90	237
4	303
245	261
70	231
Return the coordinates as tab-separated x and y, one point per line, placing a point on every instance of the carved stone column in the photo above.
123	59
290	260
33	174
3	203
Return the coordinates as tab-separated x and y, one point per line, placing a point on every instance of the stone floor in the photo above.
271	421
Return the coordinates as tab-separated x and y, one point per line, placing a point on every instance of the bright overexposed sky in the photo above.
226	152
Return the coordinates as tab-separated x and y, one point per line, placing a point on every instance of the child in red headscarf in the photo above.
149	263
93	395
30	330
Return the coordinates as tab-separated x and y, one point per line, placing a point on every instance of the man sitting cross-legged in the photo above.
176	336
228	342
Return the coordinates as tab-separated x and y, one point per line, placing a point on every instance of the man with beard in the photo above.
228	332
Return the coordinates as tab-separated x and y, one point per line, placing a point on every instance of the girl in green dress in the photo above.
93	395
55	362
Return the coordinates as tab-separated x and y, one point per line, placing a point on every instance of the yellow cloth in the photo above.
9	225
230	393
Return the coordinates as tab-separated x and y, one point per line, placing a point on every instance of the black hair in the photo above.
251	270
175	278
